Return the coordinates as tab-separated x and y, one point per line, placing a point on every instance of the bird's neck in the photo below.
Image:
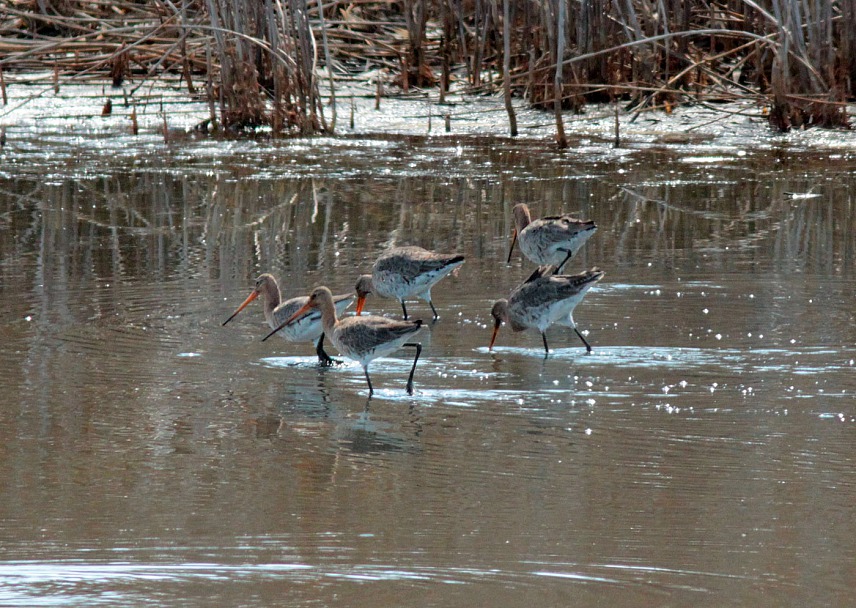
272	299
328	316
522	219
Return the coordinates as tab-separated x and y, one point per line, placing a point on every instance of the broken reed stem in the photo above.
164	127
506	67
209	88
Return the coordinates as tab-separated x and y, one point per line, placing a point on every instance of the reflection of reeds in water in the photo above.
161	228
268	57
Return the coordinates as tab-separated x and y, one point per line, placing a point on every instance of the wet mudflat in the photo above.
701	455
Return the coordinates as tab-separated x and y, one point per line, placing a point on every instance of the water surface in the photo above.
701	455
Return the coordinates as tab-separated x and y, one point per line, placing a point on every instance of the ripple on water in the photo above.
62	582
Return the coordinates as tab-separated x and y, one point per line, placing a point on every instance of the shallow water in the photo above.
701	455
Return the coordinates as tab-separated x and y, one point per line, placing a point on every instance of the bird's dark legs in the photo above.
546	348
323	358
404	310
565	261
588	346
418	348
369	380
434	310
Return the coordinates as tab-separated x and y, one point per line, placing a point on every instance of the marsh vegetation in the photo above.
280	63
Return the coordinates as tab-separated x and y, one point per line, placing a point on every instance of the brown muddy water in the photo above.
702	455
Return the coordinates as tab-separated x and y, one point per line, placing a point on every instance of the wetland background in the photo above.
701	455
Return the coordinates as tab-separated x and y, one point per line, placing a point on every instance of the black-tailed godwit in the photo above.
363	338
543	300
549	240
404	272
308	329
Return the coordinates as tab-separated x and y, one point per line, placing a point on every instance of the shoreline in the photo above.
166	115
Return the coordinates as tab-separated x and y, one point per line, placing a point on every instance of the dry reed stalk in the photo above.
561	139
329	61
164	126
506	66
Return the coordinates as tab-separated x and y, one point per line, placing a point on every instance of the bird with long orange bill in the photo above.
549	240
276	311
542	300
404	272
359	338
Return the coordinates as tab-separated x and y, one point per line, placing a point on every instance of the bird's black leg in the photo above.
434	310
588	346
546	348
404	310
565	261
369	380
418	348
323	358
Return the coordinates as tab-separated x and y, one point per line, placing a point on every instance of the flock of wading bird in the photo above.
543	299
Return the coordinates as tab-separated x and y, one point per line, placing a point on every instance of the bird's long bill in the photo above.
513	243
495	332
249	299
306	307
361	301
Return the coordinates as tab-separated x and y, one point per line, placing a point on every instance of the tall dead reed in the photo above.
264	61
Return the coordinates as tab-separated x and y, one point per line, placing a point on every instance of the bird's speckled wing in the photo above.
410	270
371	336
547	240
544	300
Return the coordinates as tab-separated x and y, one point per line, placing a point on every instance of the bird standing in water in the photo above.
550	240
542	300
307	329
360	338
403	272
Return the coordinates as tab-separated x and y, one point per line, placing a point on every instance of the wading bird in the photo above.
404	272
308	329
543	300
550	240
362	339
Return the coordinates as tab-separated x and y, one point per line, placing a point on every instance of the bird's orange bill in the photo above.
493	337
303	310
361	301
513	243
249	299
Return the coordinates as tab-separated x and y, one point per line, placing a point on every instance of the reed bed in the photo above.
277	63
